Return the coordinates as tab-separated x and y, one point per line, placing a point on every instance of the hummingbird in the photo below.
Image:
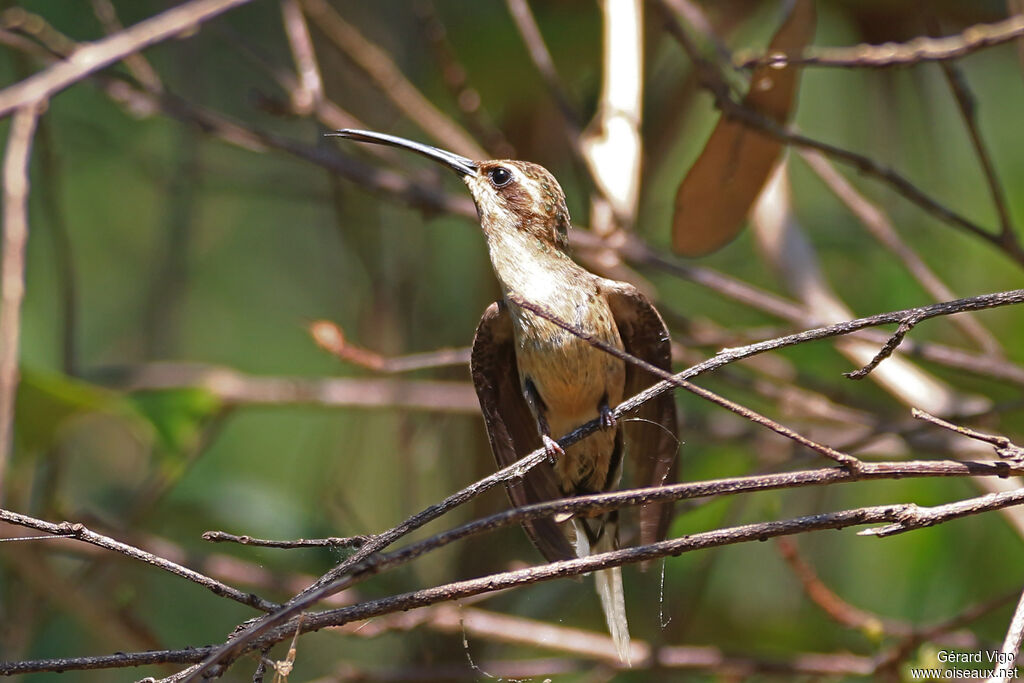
537	382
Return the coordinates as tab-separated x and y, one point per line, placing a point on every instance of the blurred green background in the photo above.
154	241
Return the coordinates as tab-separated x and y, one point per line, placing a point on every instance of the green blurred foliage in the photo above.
188	249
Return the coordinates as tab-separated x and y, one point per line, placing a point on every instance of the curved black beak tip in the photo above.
457	163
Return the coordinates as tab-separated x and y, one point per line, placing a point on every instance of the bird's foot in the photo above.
607	415
551	449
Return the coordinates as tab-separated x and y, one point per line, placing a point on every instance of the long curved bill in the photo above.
459	164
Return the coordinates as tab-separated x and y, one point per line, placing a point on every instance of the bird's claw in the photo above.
608	419
551	449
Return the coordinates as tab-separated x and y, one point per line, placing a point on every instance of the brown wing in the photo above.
652	448
511	427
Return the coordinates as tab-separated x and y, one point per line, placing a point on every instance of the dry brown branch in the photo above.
331	542
916	51
12	270
906	514
1003	446
95	56
330	338
82	533
887	349
968	110
388	78
896	518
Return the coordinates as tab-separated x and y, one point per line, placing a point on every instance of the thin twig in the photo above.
95	56
887	349
330	338
1003	446
82	533
12	271
331	542
968	110
912	516
921	49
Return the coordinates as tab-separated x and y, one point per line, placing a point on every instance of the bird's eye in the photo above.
500	176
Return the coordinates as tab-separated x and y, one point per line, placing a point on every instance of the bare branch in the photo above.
893	342
1003	446
117	660
968	109
896	514
330	338
912	516
81	533
12	270
102	53
916	51
331	542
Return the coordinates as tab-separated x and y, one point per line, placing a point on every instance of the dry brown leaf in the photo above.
721	186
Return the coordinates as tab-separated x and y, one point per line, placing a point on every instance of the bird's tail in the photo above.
608	582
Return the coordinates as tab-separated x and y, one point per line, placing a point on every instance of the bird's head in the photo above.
509	195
